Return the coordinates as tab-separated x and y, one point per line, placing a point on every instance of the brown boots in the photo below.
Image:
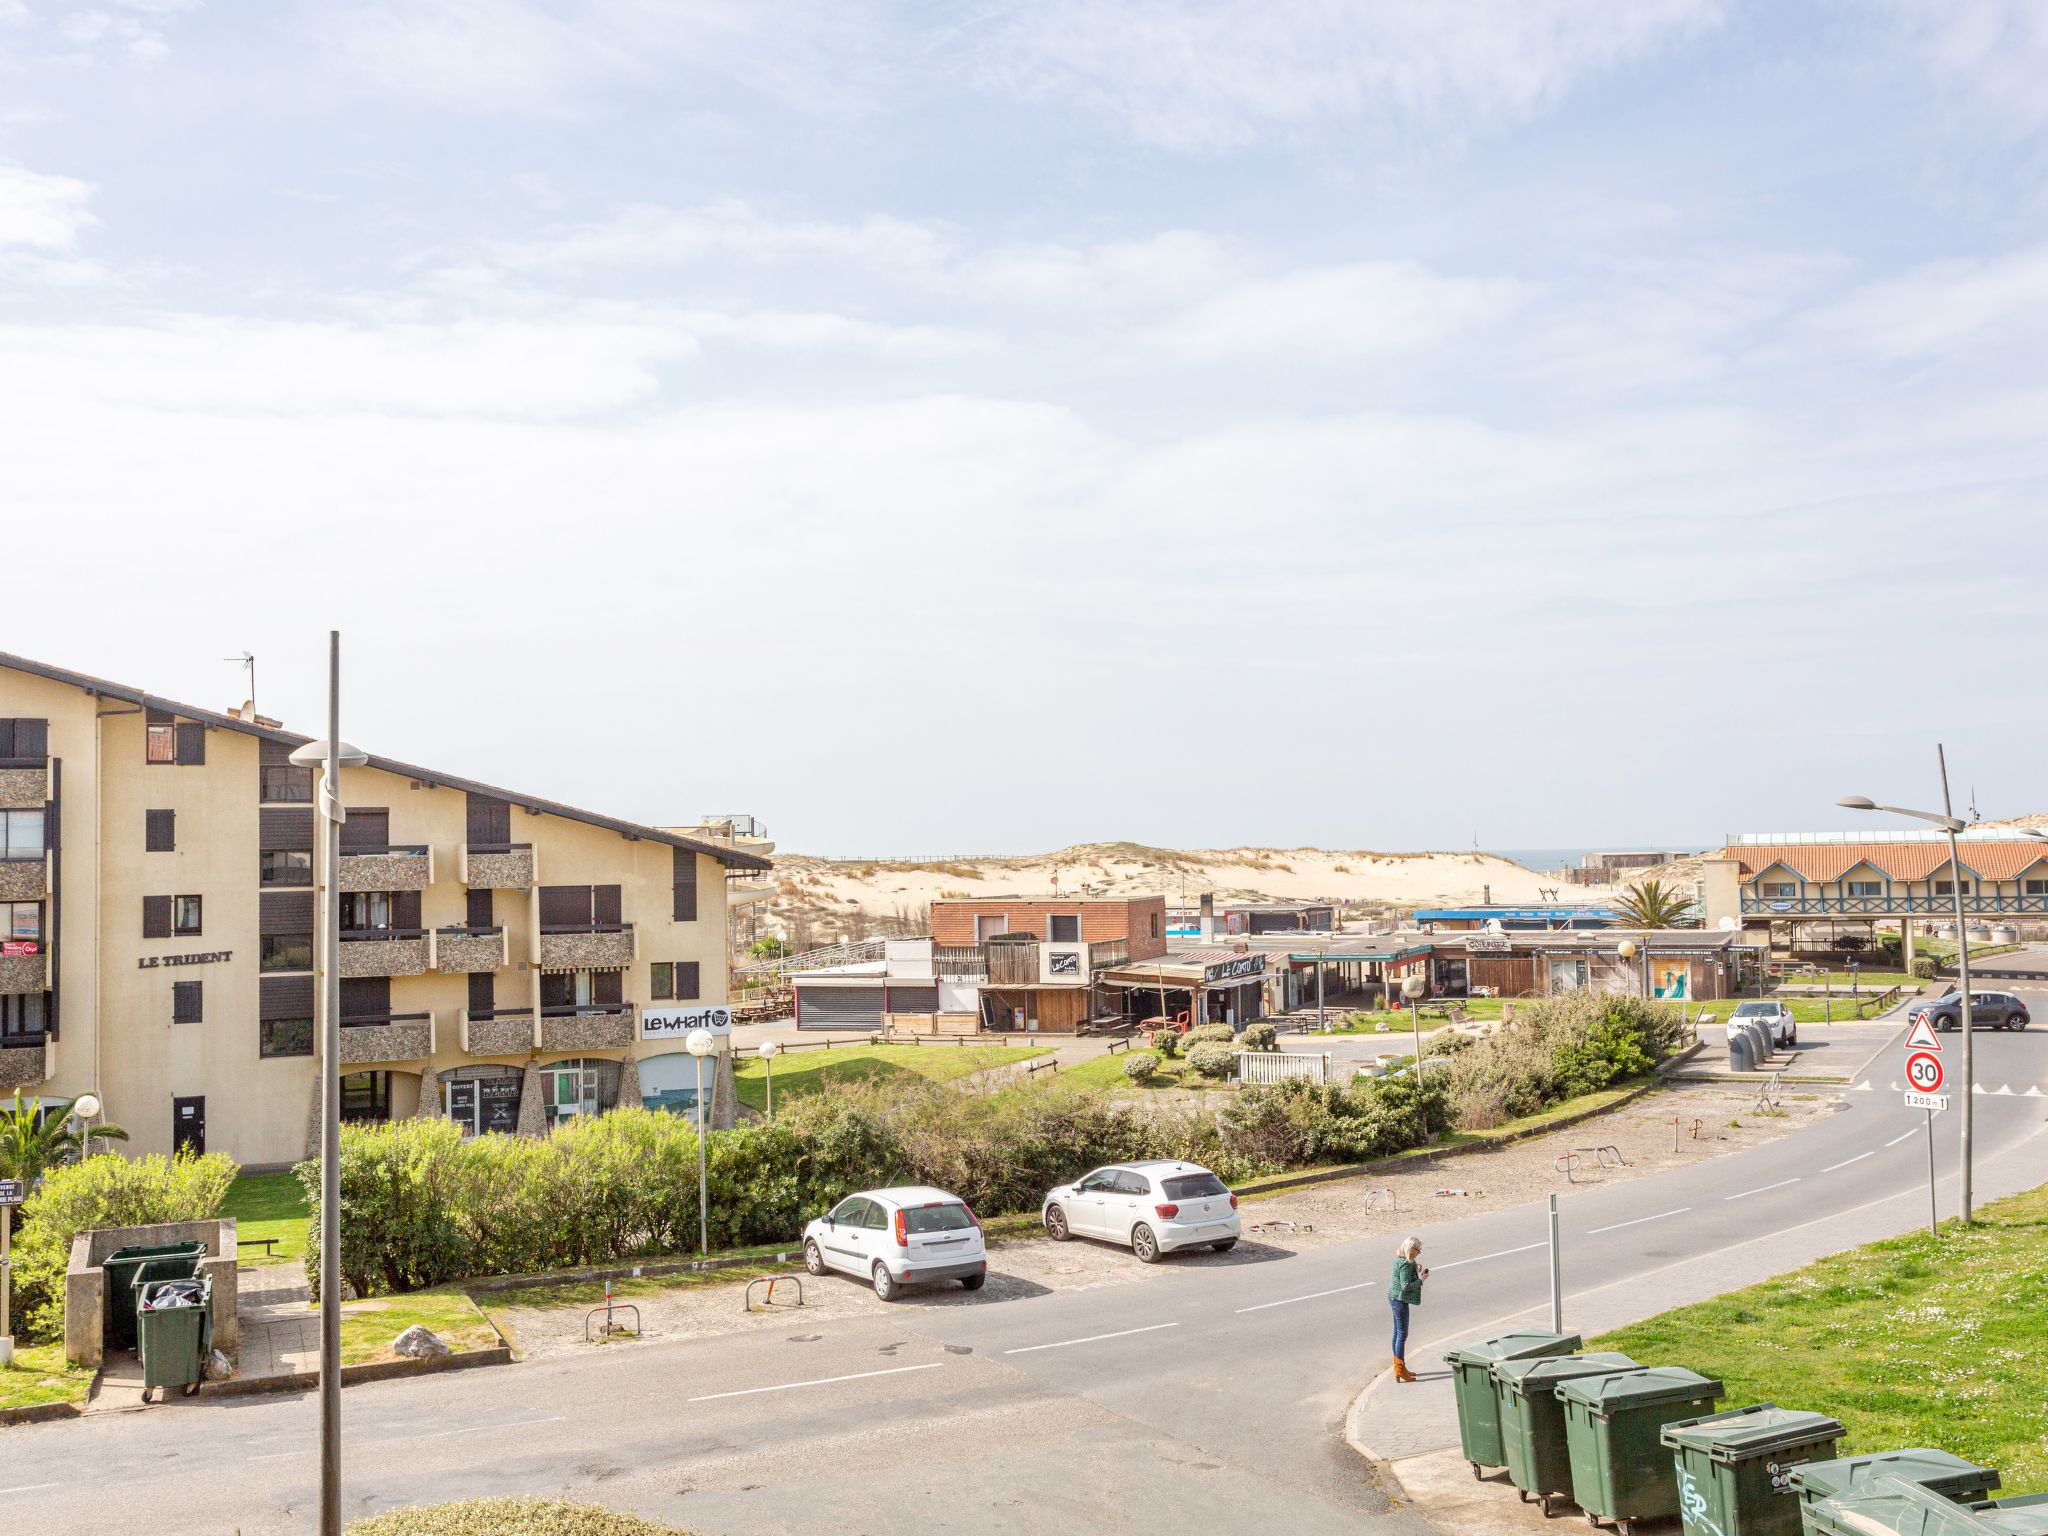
1401	1371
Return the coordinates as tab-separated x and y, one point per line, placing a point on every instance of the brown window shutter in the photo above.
191	742
365	997
285	829
489	822
565	906
160	832
285	997
187	1006
405	909
156	917
483	992
685	867
368	829
284	912
557	989
607	987
479	915
606	904
688	988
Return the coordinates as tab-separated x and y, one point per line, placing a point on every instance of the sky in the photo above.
985	427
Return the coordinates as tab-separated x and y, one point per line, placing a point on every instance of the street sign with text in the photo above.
1925	1100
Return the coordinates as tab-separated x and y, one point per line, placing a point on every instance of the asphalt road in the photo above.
1215	1393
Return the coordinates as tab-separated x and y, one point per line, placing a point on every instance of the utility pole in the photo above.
1955	886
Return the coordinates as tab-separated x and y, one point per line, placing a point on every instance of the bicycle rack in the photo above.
1568	1165
771	1281
610	1309
1380	1199
1610	1156
1770	1096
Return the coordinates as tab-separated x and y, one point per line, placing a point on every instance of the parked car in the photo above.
899	1237
1988	1010
1156	1207
1784	1028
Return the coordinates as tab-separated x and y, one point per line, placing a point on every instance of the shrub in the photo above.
1260	1037
102	1191
509	1517
1212	1058
1166	1041
1556	1048
1220	1034
1924	967
1140	1065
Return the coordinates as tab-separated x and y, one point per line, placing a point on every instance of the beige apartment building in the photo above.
506	961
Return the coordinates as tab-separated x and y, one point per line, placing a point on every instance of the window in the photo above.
21	920
564	990
2037	887
287	952
585	1087
185	915
483	1099
684	867
1194	1186
287	866
286	784
186	1002
1129	1183
285	1037
673	980
160	832
1155	925
22	1018
21	835
170	740
24	743
1780	890
1063	928
986	928
848	1212
366	1096
1866	888
365	909
1948	888
937	1218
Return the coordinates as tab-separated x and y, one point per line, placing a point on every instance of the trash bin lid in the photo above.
1640	1388
1516	1344
1741	1434
1938	1470
1888	1503
1546	1373
2024	1516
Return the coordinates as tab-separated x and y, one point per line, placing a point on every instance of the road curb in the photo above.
39	1413
354	1375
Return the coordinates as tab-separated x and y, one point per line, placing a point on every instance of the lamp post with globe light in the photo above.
700	1044
768	1050
1412	988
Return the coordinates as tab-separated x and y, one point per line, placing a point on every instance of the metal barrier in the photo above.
610	1310
771	1281
1770	1096
1282	1066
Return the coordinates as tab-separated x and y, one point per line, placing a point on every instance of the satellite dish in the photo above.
1495	925
1729	923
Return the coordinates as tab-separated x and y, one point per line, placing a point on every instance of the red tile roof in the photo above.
1825	863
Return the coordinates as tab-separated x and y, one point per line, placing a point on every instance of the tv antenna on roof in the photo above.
248	659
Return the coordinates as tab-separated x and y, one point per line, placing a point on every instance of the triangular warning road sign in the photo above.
1923	1037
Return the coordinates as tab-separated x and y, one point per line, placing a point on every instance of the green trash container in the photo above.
124	1270
1620	1471
1734	1468
1539	1459
174	1334
1950	1476
1892	1504
1472	1382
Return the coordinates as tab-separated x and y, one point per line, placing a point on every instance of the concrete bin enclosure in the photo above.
85	1283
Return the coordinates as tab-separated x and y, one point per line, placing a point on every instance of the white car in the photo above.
1155	1207
899	1237
1774	1015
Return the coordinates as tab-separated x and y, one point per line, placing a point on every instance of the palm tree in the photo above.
1653	904
35	1138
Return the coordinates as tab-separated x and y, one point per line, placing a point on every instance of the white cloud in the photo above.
1363	309
1947	307
1994	51
1204	74
648	236
43	213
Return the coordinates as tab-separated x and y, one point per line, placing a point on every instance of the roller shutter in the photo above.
838	1007
913	999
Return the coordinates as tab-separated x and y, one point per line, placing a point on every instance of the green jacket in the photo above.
1407	1282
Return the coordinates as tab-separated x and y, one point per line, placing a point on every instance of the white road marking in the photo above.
1638	1221
1897	1139
1764	1190
27	1487
1482	1258
1093	1338
1866	1086
1831	1167
1311	1296
822	1381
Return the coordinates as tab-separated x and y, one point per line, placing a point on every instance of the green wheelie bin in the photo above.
1620	1471
174	1331
1472	1382
1885	1505
1950	1476
1532	1433
1734	1468
127	1270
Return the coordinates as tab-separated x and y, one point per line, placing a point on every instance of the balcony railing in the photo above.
25	879
396	867
24	783
25	973
386	1037
586	1026
588	947
498	866
1104	953
385	951
1012	965
1891	906
499	1031
25	1060
469	949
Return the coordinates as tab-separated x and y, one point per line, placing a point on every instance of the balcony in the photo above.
586	1027
497	866
591	947
25	879
384	952
24	787
25	973
500	1032
396	868
1012	963
1975	904
386	1037
1103	954
469	949
25	1062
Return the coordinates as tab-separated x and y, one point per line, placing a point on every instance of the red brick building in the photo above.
1138	920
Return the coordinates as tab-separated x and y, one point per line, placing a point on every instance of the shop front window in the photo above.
483	1099
581	1087
366	1096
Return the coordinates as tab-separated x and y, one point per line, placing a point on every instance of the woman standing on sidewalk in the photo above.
1403	1292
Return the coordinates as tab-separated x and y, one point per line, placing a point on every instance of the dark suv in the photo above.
1988	1010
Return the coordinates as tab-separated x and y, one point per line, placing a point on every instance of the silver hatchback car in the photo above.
1157	1208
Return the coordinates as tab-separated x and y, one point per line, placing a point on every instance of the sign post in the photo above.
11	1192
1924	1076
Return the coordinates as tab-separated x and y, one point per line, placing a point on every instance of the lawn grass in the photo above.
269	1205
814	1071
1916	1341
1107	1074
367	1328
40	1374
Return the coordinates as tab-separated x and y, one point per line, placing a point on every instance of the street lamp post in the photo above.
327	758
1627	950
1412	988
700	1044
768	1050
1951	824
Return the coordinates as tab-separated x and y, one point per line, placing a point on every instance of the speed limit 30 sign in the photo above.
1923	1071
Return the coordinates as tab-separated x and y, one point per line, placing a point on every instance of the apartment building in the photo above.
506	961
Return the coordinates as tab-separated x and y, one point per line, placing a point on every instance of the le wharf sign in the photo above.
205	957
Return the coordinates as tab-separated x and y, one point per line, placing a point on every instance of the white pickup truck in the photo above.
1773	1014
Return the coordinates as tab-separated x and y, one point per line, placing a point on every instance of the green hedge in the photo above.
1557	1048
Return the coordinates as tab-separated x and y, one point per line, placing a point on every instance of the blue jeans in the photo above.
1400	1329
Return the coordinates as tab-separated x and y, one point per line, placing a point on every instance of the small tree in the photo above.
1212	1058
36	1138
1653	904
1140	1066
1261	1036
768	948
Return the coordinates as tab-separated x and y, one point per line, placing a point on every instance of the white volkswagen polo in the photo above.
1157	1208
899	1237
